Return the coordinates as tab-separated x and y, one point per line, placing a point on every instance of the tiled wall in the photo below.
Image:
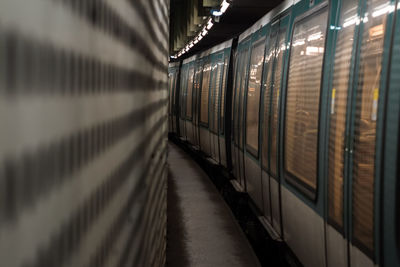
83	104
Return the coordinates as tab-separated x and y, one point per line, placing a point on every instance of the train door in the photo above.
196	99
182	102
170	94
204	104
238	130
251	124
217	69
353	153
189	102
302	190
274	66
391	158
211	131
237	55
173	102
241	113
222	110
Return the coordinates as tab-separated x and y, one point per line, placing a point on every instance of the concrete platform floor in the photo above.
202	231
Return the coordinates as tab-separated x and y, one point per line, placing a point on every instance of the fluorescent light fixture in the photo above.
216	13
204	32
195	41
224	6
209	24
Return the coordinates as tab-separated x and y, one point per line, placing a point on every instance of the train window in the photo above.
213	85
302	102
174	94
204	99
244	75
170	80
275	101
197	82
183	94
216	94
338	109
189	93
223	89
269	60
253	96
365	120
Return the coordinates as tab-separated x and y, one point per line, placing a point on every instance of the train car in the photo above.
315	127
202	101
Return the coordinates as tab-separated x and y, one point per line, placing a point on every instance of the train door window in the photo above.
365	121
223	89
269	61
244	75
216	94
189	93
204	99
279	55
253	96
302	102
337	127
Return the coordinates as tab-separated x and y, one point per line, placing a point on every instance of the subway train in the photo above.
302	109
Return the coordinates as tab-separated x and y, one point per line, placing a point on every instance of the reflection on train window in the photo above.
189	93
269	61
365	121
223	89
337	128
253	96
204	94
276	87
244	72
302	103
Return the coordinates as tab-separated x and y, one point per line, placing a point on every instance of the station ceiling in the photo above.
188	17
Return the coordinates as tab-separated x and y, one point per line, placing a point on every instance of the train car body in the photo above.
314	113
